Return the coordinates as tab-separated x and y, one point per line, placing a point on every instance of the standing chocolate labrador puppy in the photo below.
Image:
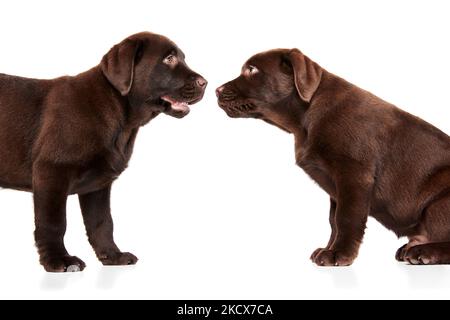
369	156
75	135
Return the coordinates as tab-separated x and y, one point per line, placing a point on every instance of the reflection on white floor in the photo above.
421	277
304	281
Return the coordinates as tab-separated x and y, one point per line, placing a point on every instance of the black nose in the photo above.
219	91
201	82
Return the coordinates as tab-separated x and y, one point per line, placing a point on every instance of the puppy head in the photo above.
151	72
267	81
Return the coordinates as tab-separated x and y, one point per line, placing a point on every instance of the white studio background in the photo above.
214	207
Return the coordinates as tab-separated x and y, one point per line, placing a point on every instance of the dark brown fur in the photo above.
371	157
75	135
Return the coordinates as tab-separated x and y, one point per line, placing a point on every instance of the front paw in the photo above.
401	252
64	263
316	253
118	259
333	258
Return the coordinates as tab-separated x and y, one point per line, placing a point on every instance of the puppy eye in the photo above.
170	60
251	70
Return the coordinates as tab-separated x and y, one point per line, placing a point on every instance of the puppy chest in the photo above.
107	165
318	173
99	174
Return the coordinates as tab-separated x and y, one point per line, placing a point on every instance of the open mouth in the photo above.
177	108
171	104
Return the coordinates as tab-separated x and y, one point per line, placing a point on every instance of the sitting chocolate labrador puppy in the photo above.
369	156
75	135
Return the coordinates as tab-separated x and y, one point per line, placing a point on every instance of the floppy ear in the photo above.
118	65
307	74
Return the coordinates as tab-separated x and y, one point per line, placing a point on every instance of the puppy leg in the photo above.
352	210
333	230
50	194
96	211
